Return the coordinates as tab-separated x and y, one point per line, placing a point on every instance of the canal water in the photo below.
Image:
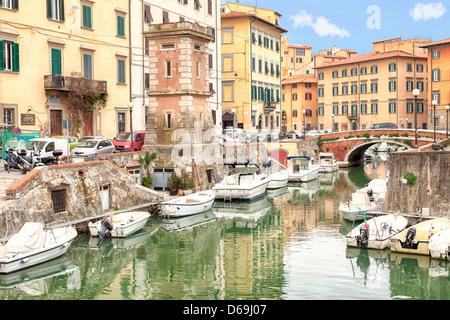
289	245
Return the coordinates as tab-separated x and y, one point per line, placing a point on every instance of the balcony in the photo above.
64	83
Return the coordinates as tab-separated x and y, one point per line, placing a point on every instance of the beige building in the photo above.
293	57
375	87
60	57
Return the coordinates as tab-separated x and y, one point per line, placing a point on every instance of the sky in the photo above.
356	24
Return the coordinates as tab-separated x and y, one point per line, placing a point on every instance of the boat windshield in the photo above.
243	170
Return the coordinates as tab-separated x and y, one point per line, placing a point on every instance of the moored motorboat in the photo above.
302	169
244	181
416	238
278	179
365	200
439	245
376	232
34	244
327	162
187	205
119	225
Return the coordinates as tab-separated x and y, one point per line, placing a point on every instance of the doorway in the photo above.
88	128
104	197
56	123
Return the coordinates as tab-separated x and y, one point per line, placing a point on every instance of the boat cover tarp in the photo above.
30	237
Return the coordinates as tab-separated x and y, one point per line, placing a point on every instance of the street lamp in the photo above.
434	103
447	107
131	105
304	124
416	92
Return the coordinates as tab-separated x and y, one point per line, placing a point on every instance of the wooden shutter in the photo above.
56	61
2	56
87	66
87	17
49	9
121	71
166	17
16	57
147	14
120	26
61	13
15	4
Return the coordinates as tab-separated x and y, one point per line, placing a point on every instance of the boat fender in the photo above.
410	237
25	260
362	240
106	227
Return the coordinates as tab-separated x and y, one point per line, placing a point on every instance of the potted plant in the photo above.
174	184
188	184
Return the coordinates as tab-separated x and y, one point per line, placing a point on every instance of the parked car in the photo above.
385	125
73	141
233	133
90	137
123	141
45	146
93	147
313	133
295	134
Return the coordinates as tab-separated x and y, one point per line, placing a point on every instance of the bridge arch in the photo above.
356	153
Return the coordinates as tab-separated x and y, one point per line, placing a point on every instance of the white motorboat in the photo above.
34	244
244	181
278	179
367	199
376	233
327	162
119	225
302	169
439	245
187	205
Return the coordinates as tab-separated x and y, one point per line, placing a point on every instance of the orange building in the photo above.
438	82
375	87
299	103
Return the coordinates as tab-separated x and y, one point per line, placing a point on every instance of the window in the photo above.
374	87
87	65
168	68
374	69
210	7
335	91
435	54
435	75
9	116
320	92
321	110
165	17
183	1
409	66
9	56
55	10
146	80
409	85
299	52
120	71
335	74
227	35
436	96
409	107
335	110
392	107
294	113
419	67
320	76
344	72
227	63
121	120
59	200
227	90
392	85
10	4
197	4
363	108
345	109
120	26
136	173
363	87
345	89
354	110
294	96
147	14
392	66
354	88
56	61
168	116
363	70
308	96
354	71
374	108
420	108
87	17
420	85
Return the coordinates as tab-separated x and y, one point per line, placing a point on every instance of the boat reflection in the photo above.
187	222
303	192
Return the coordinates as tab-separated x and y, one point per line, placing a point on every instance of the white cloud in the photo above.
320	25
427	11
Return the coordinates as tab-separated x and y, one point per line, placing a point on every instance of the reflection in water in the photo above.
287	245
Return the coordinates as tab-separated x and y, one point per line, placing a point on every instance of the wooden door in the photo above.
56	123
88	128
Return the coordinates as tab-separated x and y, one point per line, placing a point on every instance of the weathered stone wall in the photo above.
82	182
431	188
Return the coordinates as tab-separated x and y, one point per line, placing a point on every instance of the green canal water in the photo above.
290	245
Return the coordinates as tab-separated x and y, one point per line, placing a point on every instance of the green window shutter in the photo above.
49	9
2	56
121	71
120	26
16	57
87	66
87	17
56	61
61	13
15	5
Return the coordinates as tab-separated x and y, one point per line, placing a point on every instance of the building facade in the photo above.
376	87
56	53
153	12
251	68
294	57
299	103
438	84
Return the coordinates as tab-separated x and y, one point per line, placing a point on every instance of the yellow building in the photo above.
54	54
294	57
299	103
251	68
376	87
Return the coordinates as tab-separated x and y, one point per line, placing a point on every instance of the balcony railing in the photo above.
63	83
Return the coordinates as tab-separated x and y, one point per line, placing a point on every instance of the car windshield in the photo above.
124	136
35	145
87	144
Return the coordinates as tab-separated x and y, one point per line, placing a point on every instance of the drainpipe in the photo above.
129	51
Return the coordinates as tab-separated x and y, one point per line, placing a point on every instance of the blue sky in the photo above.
356	24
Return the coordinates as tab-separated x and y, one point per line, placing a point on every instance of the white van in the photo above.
45	146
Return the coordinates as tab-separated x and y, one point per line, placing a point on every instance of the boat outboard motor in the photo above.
362	241
105	230
370	194
410	237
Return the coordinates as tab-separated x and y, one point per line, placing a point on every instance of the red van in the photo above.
123	141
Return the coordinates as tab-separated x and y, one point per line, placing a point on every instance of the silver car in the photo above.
93	147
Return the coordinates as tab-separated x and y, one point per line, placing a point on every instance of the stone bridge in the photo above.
349	146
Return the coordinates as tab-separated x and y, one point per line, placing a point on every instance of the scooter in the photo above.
50	160
27	163
12	160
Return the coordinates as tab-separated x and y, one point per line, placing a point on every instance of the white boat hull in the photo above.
186	206
304	176
381	229
278	180
123	226
439	245
13	262
329	168
240	192
352	213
